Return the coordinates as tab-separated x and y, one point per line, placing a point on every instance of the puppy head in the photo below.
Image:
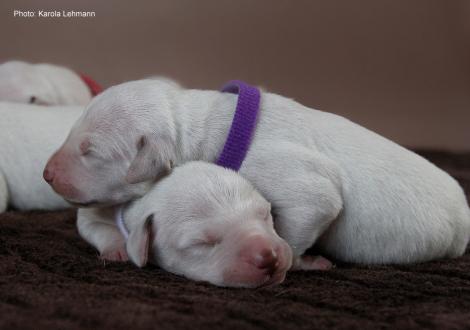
210	225
116	150
41	84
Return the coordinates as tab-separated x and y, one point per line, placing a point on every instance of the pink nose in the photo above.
59	182
53	165
260	252
55	175
48	175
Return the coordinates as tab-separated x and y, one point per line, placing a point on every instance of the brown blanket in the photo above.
50	278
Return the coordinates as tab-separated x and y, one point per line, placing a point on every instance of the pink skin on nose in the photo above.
260	261
55	174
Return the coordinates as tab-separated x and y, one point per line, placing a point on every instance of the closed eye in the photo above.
89	152
86	152
201	243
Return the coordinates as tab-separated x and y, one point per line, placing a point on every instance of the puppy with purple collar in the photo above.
354	194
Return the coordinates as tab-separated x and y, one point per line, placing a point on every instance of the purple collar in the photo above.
243	124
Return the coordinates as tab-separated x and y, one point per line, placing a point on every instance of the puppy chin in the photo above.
98	202
255	278
91	203
277	278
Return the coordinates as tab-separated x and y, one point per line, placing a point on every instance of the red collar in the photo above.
93	86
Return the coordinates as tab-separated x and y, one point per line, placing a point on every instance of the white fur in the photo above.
44	84
28	135
361	197
202	217
97	227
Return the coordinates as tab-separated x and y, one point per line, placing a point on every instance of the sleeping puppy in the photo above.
28	135
204	222
360	197
43	84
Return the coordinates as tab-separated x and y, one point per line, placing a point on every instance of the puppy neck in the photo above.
203	119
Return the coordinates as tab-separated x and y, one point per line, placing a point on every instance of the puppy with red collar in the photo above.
44	84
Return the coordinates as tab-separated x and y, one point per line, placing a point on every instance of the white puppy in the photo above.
359	196
202	221
43	84
28	135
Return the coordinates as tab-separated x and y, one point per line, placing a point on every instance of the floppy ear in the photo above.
138	242
151	161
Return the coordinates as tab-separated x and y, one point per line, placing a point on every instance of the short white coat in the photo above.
359	196
28	136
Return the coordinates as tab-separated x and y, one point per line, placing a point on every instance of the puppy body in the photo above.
202	221
43	84
359	196
28	135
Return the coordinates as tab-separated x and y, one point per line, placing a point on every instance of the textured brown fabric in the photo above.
49	278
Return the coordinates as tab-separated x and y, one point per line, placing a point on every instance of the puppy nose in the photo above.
266	260
260	253
48	175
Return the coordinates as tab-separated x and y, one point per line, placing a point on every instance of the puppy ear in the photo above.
151	161
138	242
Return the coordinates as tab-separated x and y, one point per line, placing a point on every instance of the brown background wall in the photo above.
401	68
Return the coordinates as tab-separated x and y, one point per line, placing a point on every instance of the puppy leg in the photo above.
3	193
97	227
304	189
310	205
311	263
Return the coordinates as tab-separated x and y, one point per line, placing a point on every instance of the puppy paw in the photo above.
115	254
312	263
